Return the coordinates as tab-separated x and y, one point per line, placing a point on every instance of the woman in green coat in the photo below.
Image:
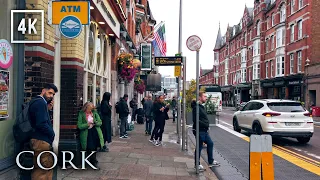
91	136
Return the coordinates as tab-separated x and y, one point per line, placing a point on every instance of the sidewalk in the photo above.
138	159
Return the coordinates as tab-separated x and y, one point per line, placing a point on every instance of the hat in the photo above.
125	96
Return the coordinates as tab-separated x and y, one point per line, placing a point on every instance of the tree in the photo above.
191	94
210	106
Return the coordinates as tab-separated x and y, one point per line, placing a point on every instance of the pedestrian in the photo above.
156	125
123	111
161	115
174	108
147	107
204	136
43	135
91	137
106	110
134	107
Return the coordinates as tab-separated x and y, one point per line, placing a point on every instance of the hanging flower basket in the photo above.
127	69
139	86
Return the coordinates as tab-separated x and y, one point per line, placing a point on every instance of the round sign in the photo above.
70	27
194	43
6	54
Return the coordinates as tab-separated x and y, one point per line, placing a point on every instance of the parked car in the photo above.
281	118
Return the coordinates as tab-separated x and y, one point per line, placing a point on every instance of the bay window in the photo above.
256	71
280	65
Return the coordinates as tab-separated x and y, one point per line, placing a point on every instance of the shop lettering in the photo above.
84	160
70	9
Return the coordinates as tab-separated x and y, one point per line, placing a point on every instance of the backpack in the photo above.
117	108
22	130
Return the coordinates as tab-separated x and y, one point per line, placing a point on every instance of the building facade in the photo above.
82	68
265	55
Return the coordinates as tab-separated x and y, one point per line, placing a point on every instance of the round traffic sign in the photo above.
194	43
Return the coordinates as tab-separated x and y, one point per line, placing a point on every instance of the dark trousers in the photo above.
133	114
148	124
204	137
155	130
161	130
123	125
109	131
174	115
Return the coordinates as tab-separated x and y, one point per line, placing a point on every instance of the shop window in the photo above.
90	87
98	90
91	44
98	52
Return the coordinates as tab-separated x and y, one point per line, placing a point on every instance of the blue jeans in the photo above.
148	124
205	138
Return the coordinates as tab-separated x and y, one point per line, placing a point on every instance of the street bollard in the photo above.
261	157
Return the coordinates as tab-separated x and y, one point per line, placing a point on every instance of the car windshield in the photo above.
286	107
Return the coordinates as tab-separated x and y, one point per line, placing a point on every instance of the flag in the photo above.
159	41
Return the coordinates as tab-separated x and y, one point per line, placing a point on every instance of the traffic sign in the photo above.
194	43
58	10
70	27
177	71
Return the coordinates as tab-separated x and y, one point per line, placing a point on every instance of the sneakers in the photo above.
157	143
151	140
214	164
201	168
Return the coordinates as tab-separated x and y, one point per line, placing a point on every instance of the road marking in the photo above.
313	166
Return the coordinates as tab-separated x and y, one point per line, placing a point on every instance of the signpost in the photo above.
177	71
194	43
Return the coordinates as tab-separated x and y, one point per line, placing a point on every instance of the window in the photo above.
268	22
243	75
300	29
292	33
293	3
258	28
291	63
271	68
283	37
280	66
250	35
256	71
272	20
300	4
267	45
267	69
280	37
299	61
245	38
272	42
283	13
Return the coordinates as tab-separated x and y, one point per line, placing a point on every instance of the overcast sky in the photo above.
200	18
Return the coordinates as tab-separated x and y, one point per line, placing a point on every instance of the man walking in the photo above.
174	108
134	107
43	136
204	136
123	111
147	107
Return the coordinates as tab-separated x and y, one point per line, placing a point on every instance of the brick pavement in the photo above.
137	159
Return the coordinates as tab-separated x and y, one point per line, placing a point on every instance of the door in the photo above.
251	115
243	115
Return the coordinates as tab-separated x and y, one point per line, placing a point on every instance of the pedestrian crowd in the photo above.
94	124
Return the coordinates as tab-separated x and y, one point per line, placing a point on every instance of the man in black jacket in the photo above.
123	115
204	136
43	136
174	108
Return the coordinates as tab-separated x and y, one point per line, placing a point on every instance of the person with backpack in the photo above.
160	112
123	111
105	114
134	107
43	134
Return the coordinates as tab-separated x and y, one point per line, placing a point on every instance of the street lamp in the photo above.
306	80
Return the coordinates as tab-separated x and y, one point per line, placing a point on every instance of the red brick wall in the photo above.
315	31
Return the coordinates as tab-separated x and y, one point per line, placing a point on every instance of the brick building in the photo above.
265	55
83	68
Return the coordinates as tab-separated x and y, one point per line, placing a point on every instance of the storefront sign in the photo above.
4	94
146	57
295	82
6	54
267	84
279	83
108	15
168	61
70	27
58	10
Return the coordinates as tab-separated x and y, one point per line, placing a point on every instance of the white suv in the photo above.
276	117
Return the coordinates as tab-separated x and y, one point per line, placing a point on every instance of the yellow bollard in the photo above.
267	158
255	157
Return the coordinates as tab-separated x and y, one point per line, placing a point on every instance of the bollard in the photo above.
261	157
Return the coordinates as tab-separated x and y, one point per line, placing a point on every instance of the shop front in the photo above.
289	87
244	91
227	96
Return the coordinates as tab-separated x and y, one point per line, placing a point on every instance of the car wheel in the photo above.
236	125
257	129
303	140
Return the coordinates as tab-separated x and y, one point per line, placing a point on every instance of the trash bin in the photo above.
315	111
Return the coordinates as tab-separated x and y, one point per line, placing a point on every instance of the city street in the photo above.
309	153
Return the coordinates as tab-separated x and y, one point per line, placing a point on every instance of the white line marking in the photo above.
231	131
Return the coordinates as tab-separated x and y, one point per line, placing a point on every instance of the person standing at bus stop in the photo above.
204	136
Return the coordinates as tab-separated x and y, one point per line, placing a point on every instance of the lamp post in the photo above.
306	82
